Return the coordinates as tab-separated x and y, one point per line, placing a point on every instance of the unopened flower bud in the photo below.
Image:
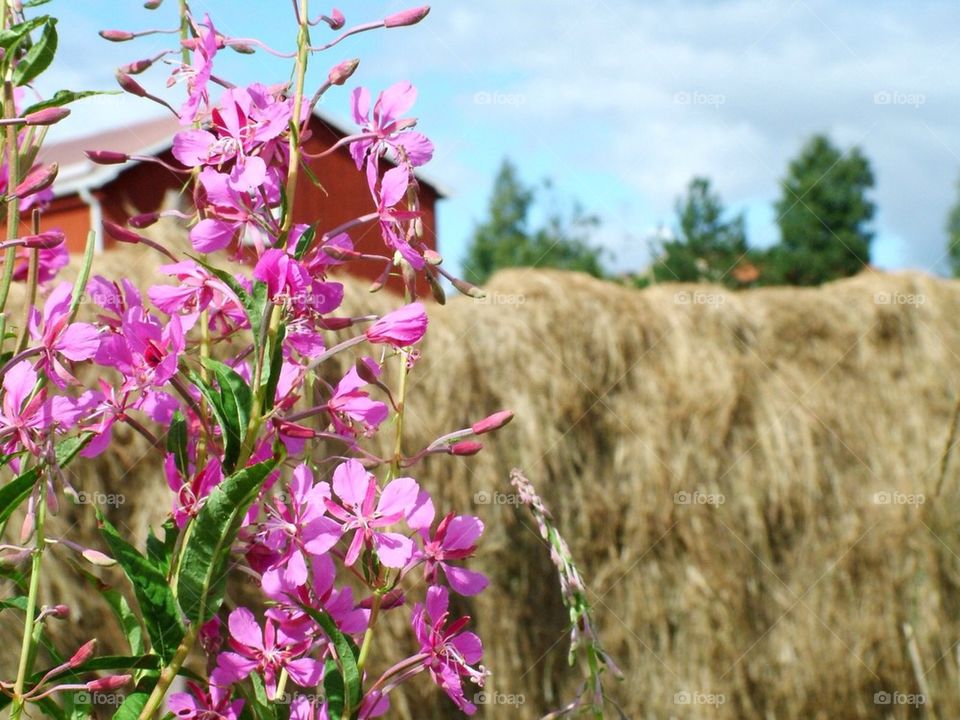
339	74
116	35
44	240
339	253
144	220
95	557
406	17
130	85
465	447
60	612
291	429
137	66
368	370
336	19
468	288
12	557
335	323
40	178
121	234
493	422
432	257
388	601
436	289
152	4
83	653
106	157
108	683
242	48
47	116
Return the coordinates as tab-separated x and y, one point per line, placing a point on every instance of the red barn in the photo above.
86	193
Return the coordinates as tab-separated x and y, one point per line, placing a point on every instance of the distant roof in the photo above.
146	137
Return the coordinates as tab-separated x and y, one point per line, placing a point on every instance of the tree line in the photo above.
824	215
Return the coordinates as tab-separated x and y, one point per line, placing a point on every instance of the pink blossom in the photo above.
454	539
265	651
59	337
29	415
357	491
200	703
289	280
190	495
197	291
349	404
390	129
401	327
198	74
450	653
145	350
393	188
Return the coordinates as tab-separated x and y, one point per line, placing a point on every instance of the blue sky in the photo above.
619	102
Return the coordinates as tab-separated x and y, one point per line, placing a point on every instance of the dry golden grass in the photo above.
791	598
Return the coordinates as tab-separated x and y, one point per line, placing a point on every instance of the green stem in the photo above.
368	635
13	177
303	54
26	647
168	674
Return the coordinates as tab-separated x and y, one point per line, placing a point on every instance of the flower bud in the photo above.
465	447
144	220
47	116
95	557
106	157
336	19
137	67
60	612
493	422
436	289
339	253
339	74
291	429
40	178
368	370
12	557
121	234
335	323
152	4
242	48
108	683
130	85
83	653
401	327
468	288
392	599
43	241
432	257
116	35
406	17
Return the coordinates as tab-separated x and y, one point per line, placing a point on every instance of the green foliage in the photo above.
707	246
953	235
506	239
824	214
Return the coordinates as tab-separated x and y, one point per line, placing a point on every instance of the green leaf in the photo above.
348	680
16	603
39	56
177	443
132	706
204	560
159	552
272	369
235	403
9	39
132	630
65	97
333	687
157	604
262	707
305	241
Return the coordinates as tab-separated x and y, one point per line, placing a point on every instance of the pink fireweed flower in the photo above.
197	74
361	512
454	539
265	651
393	189
49	262
450	653
349	404
60	338
297	527
146	351
199	703
390	129
198	291
290	281
230	214
190	495
400	328
27	416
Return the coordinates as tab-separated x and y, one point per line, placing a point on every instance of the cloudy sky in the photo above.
621	102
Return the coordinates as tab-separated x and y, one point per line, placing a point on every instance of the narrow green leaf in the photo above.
12	37
272	369
229	433
39	56
157	604
305	241
132	630
333	688
177	443
347	653
159	551
250	303
65	97
132	706
262	707
235	403
205	557
16	603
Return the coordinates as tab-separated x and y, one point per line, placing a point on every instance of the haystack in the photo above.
748	481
